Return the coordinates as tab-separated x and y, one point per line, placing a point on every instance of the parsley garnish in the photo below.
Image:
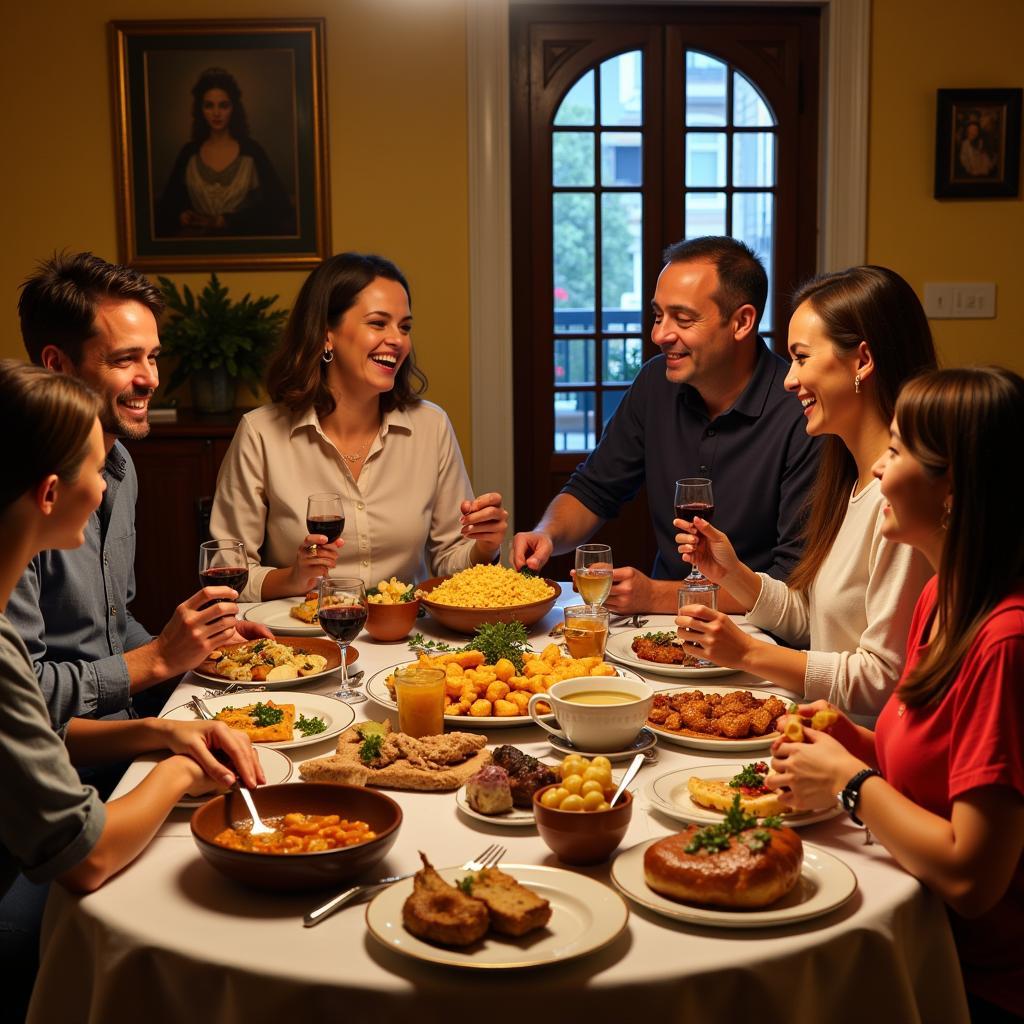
752	776
419	640
715	838
310	726
465	884
661	638
371	748
264	714
259	645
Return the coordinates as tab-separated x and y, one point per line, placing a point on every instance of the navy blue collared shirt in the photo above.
71	607
757	454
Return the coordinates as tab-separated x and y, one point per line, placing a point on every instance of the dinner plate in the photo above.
620	649
668	793
337	715
377	688
720	744
310	645
277	617
585	916
825	883
277	767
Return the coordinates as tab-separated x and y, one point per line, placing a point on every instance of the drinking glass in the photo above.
586	630
694	498
420	693
697	590
325	514
594	572
342	614
222	563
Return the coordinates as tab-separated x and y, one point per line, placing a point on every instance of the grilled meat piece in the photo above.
663	653
515	910
438	912
525	773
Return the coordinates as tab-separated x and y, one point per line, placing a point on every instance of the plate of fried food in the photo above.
719	718
704	795
270	663
283	720
663	653
502	918
495	696
287	616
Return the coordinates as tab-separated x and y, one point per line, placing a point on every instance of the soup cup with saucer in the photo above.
601	714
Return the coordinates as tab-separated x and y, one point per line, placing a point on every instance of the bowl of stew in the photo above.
325	833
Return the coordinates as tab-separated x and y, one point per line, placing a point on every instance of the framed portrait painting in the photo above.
221	143
977	143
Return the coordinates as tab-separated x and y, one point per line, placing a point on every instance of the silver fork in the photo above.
489	858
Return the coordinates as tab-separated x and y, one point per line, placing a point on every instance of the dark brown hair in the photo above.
741	275
218	78
58	302
968	422
56	412
874	305
297	375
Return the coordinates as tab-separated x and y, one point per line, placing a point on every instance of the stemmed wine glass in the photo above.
694	498
223	563
325	515
594	572
342	614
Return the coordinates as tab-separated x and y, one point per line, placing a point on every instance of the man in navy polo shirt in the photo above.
713	404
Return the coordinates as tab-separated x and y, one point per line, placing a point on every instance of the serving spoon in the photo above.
627	778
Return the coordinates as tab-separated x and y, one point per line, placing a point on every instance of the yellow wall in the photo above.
919	46
396	106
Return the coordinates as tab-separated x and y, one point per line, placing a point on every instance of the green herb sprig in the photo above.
662	638
370	749
752	776
263	715
715	838
418	640
310	726
498	640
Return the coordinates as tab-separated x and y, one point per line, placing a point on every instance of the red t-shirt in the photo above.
973	737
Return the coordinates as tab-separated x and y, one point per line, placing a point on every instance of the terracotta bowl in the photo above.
466	620
582	837
298	871
388	623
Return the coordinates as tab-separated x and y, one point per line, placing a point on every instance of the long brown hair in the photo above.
297	375
874	305
968	422
56	413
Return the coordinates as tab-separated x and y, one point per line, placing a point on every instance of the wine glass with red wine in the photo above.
222	563
325	514
694	497
342	614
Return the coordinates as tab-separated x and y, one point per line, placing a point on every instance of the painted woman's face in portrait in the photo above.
217	107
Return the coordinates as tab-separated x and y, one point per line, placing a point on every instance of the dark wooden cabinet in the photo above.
177	466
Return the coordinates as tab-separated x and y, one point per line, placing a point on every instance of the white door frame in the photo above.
846	48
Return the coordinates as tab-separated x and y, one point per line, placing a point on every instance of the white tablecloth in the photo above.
170	940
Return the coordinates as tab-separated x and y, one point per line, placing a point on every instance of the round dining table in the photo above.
171	940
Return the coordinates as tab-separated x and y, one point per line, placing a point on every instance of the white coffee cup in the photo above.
596	727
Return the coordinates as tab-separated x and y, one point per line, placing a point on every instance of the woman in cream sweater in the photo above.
854	338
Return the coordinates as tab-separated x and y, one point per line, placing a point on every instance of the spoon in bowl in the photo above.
627	778
259	828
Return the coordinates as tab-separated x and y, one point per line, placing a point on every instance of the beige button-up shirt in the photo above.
401	515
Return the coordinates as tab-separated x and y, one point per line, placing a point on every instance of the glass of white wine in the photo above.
594	572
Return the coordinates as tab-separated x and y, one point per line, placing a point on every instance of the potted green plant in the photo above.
217	341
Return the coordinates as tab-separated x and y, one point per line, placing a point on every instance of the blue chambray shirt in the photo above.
71	607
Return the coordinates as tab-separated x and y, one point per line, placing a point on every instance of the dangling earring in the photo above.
947	512
856	384
328	356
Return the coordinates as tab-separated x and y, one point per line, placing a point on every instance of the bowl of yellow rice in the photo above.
487	593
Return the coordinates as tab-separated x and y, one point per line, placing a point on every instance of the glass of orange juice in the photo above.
586	630
420	695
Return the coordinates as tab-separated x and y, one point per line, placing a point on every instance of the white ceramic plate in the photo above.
277	617
518	817
314	645
586	916
721	745
620	649
825	883
669	794
376	687
337	715
277	767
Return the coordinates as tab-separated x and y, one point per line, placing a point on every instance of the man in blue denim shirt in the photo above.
98	321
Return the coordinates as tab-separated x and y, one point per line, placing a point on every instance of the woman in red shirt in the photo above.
941	781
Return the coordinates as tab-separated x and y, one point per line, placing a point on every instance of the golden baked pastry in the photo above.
257	721
307	610
755	797
739	864
514	909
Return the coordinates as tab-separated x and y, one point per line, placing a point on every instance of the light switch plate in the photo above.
965	300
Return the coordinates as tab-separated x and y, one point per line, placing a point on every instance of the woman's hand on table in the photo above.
813	772
201	740
715	636
486	522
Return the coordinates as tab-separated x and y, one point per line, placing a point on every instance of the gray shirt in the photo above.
71	607
49	820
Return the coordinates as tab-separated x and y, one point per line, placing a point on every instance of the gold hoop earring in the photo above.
856	384
328	356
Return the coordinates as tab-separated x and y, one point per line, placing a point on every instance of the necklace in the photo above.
356	456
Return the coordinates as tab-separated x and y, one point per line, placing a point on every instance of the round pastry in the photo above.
747	872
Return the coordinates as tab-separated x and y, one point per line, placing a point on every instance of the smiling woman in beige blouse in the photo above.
347	417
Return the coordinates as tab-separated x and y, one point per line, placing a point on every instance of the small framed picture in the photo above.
977	143
222	149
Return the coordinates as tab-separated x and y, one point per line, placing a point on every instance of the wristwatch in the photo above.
850	795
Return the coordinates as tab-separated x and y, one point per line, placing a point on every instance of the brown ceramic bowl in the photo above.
388	623
298	871
582	837
466	620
